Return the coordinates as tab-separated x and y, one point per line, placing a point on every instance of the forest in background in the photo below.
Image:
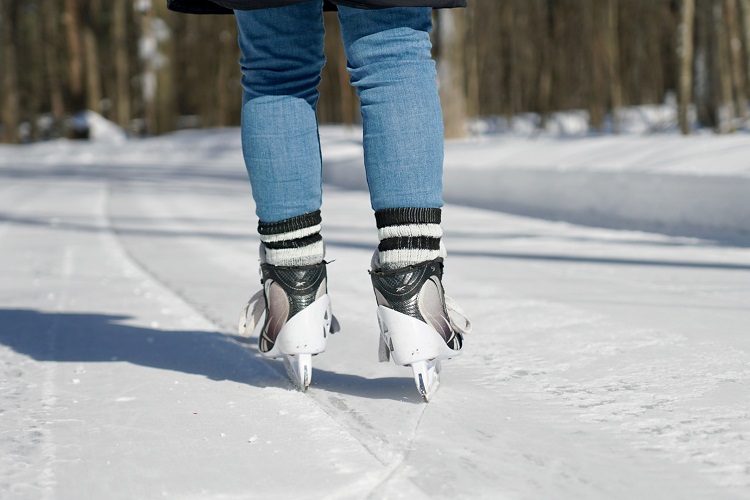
153	71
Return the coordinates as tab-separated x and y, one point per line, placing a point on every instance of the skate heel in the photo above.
306	332
303	336
410	340
419	324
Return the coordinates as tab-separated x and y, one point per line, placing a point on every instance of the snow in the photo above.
98	128
604	363
696	186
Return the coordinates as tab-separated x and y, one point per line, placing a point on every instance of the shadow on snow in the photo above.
86	337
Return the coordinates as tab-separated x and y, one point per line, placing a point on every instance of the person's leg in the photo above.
282	58
389	58
388	53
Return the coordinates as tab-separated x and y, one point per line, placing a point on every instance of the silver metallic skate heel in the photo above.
298	317
416	326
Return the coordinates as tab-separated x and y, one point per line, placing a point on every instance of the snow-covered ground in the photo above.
605	363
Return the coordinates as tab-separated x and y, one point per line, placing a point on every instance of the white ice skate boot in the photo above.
416	328
298	317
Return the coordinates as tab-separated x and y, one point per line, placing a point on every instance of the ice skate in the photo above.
416	328
298	319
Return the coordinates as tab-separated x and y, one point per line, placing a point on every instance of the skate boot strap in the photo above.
456	311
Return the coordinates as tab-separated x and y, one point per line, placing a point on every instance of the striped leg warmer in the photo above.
408	236
292	242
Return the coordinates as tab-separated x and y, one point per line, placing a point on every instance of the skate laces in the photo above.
456	311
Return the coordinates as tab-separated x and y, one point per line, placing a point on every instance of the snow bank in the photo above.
696	186
690	186
645	119
98	128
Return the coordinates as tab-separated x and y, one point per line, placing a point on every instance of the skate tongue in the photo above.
454	310
251	314
335	326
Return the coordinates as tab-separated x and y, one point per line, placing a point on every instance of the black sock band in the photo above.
401	216
293	242
290	225
408	236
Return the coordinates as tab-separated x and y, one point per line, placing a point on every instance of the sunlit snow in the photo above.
605	362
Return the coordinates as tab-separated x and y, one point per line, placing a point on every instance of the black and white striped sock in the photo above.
293	242
408	236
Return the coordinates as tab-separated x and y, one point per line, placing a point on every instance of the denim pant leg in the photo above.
282	59
389	59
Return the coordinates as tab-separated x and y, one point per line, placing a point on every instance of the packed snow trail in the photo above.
603	364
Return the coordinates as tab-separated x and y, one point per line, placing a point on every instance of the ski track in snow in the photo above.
605	363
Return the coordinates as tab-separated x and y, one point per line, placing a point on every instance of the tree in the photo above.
745	8
72	20
726	101
91	59
686	63
122	62
51	39
735	56
10	101
451	37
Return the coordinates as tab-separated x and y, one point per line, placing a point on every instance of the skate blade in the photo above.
426	378
299	369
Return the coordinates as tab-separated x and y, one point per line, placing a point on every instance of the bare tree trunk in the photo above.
342	109
613	58
166	102
33	87
726	102
51	36
599	64
685	54
166	99
735	53
93	76
122	64
705	84
472	68
10	101
514	68
222	80
745	7
72	19
451	40
345	90
546	69
148	50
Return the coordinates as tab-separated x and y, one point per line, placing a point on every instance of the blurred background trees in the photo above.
153	71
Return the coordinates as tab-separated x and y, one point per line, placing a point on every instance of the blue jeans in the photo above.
388	57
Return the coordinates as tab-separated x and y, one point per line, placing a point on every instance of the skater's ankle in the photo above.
408	237
292	242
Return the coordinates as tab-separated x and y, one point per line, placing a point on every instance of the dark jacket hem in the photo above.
227	6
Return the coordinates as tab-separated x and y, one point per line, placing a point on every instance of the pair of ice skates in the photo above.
417	328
